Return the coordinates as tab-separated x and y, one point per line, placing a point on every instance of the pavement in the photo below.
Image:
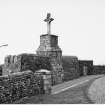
96	91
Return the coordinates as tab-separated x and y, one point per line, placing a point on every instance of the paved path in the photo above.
73	83
71	92
97	91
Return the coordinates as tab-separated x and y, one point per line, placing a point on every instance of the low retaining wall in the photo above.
98	69
19	85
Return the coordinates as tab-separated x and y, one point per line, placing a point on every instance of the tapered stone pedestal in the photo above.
49	48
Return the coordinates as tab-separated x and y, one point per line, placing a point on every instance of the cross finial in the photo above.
48	20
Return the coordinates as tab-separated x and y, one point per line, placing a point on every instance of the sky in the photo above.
80	25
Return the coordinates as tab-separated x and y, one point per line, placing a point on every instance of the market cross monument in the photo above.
49	48
48	20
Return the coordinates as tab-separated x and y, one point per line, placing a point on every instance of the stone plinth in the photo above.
49	48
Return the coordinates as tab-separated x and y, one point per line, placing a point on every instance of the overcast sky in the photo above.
80	25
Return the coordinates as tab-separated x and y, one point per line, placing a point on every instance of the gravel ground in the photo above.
96	91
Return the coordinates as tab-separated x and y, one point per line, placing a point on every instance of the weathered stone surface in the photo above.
11	64
25	62
18	85
71	67
86	67
49	48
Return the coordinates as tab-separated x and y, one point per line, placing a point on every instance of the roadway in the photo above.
71	92
73	83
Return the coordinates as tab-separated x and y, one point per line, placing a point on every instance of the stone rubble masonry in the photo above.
86	67
23	62
71	67
49	48
16	86
12	64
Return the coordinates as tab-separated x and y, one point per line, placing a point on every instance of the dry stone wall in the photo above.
18	85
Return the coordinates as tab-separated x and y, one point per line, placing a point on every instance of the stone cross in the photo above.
48	20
